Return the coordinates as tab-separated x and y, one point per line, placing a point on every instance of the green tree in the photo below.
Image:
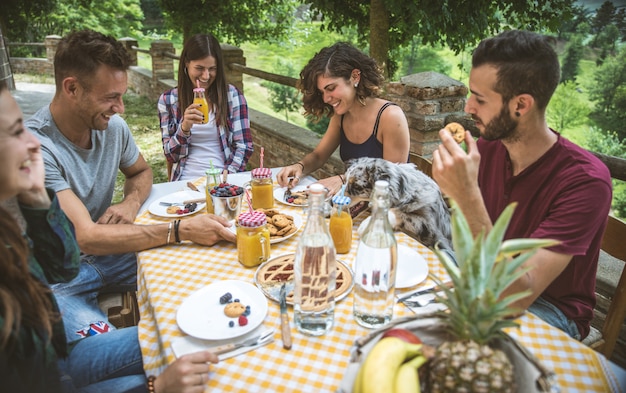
567	108
389	24
609	94
571	61
604	17
284	98
234	21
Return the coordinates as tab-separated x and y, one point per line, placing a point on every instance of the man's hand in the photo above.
121	213
206	229
455	171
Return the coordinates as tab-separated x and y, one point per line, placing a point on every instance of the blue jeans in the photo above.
78	299
104	363
553	316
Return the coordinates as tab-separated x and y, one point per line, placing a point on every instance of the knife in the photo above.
284	318
435	288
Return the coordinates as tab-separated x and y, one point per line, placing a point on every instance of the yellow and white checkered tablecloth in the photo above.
168	275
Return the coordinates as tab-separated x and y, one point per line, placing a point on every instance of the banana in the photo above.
357	387
407	378
382	363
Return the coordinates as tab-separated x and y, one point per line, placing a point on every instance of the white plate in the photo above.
202	316
297	220
412	267
279	194
177	197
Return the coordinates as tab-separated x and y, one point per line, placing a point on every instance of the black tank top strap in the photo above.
380	112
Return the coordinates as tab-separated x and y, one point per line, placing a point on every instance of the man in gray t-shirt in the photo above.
84	144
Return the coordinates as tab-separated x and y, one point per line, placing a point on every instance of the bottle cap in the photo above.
381	184
261	173
341	200
252	219
213	171
198	90
316	188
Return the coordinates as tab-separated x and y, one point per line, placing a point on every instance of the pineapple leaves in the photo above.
478	309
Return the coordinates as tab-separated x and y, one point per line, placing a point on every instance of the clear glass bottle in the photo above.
376	264
340	224
315	270
200	99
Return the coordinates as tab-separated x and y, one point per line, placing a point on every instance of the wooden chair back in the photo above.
614	244
422	163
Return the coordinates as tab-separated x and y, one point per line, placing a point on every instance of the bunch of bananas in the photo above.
390	367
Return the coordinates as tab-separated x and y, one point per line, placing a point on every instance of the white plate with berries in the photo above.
178	204
212	312
298	198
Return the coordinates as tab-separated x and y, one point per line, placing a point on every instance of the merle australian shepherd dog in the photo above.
417	205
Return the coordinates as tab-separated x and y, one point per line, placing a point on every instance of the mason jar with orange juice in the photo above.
262	188
253	238
340	225
212	180
200	98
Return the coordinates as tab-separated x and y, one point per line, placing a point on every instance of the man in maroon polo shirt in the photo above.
563	191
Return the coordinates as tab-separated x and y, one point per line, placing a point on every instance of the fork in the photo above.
421	301
250	342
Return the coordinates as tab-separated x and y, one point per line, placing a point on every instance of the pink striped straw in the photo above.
262	154
249	200
197	83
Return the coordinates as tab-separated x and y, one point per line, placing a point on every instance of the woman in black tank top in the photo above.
343	83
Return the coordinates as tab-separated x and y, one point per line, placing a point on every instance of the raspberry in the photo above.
243	321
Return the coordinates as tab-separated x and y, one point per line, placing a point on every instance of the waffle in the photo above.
278	270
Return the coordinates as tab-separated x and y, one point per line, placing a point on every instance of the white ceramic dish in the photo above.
297	220
202	316
412	267
178	197
279	195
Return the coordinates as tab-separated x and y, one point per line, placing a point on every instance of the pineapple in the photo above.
476	314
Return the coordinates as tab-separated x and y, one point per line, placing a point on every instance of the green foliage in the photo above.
609	93
437	22
415	58
611	144
284	98
566	109
232	21
320	126
119	18
573	54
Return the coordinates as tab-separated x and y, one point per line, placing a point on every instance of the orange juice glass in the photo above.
253	239
340	225
262	188
212	179
200	98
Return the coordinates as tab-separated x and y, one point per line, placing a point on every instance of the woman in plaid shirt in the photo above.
189	144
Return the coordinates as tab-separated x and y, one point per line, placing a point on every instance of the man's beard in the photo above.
502	127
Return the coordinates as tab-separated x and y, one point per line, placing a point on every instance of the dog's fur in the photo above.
416	201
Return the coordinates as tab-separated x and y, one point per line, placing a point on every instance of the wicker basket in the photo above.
430	330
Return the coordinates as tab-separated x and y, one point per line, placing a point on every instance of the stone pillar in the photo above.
129	43
232	54
51	42
162	66
430	100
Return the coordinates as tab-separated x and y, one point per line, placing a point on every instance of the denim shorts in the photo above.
554	316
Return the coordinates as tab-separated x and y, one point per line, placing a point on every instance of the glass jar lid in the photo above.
260	173
341	200
252	219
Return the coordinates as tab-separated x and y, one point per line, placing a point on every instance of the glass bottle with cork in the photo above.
376	264
315	270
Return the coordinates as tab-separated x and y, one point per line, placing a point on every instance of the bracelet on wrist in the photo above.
343	179
169	232
301	165
176	235
151	380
